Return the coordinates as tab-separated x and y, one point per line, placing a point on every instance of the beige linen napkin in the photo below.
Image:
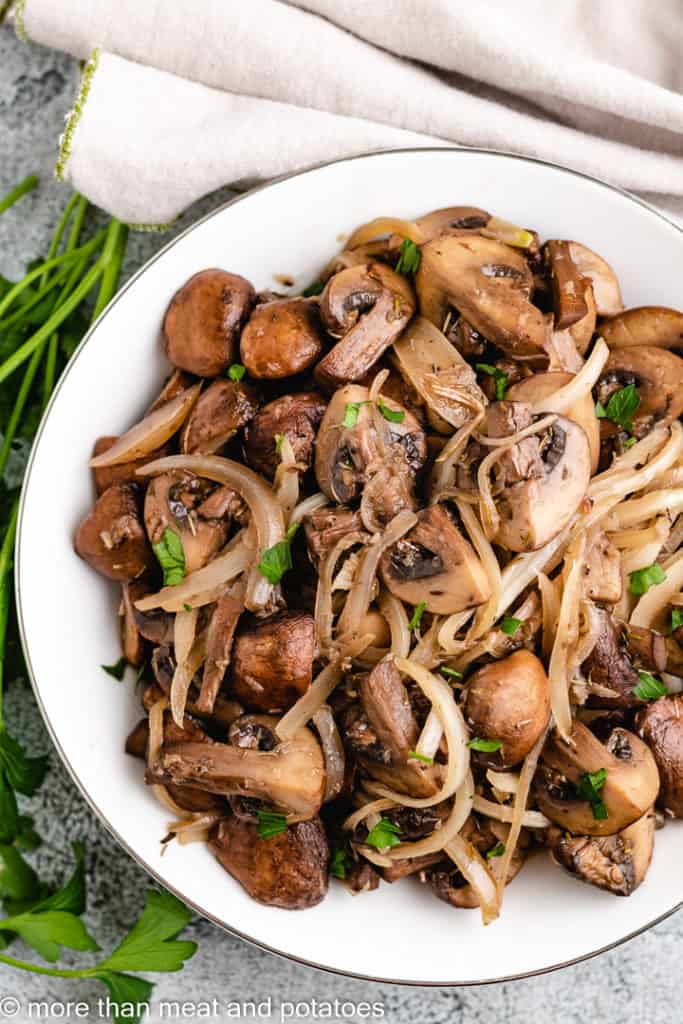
188	95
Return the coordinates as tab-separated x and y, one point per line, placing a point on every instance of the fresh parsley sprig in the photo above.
589	788
276	561
409	258
621	407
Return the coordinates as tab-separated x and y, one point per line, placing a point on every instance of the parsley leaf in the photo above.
23	773
9	812
409	258
171	557
279	438
649	687
510	624
641	580
236	371
450	672
127	994
393	415
384	835
117	670
150	945
276	561
500	379
486	746
315	288
414	756
588	788
620	407
271	823
339	863
351	410
417	616
676	619
496	851
629	442
18	881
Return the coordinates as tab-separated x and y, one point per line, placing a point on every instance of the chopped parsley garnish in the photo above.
409	258
271	823
414	756
620	407
510	624
171	557
649	687
500	379
117	670
630	442
279	438
588	788
496	851
642	579
417	616
676	619
314	288
339	863
187	607
485	746
393	415
236	371
351	410
384	835
450	672
276	561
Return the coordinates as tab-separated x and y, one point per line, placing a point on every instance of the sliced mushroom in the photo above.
488	283
508	701
605	284
224	408
581	333
629	790
132	643
281	338
291	776
602	577
202	323
346	457
434	564
112	538
325	527
485	835
654	326
295	417
567	283
174	385
105	476
366	307
609	668
661	726
534	510
537	387
617	863
136	741
452	219
272	661
219	640
288	870
173	501
658	377
385	701
365	749
156	625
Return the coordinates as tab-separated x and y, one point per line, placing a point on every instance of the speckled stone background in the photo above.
639	982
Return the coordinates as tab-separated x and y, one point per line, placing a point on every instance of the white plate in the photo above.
402	932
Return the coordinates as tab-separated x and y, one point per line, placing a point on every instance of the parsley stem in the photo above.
5	565
54	972
59	230
53	322
27	185
18	407
50	369
112	255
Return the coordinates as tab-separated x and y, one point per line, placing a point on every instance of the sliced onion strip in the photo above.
653	604
306	706
333	750
473	868
203	586
566	636
151	432
562	400
504	813
441	836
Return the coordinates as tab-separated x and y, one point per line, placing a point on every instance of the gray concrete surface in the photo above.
638	982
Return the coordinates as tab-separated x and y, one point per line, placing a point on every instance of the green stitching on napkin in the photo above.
74	116
19	23
152	227
4	9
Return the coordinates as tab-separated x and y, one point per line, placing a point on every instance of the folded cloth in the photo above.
189	95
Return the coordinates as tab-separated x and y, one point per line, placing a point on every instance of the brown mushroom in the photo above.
155	625
295	417
224	408
617	863
567	283
488	283
434	564
612	679
272	661
508	701
366	307
326	526
485	835
105	476
219	640
602	577
606	291
385	701
288	870
658	378
661	726
202	323
655	326
112	538
452	219
173	501
629	789
174	385
290	776
136	741
281	338
537	387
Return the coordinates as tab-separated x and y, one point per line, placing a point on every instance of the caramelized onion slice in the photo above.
147	435
333	751
381	227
